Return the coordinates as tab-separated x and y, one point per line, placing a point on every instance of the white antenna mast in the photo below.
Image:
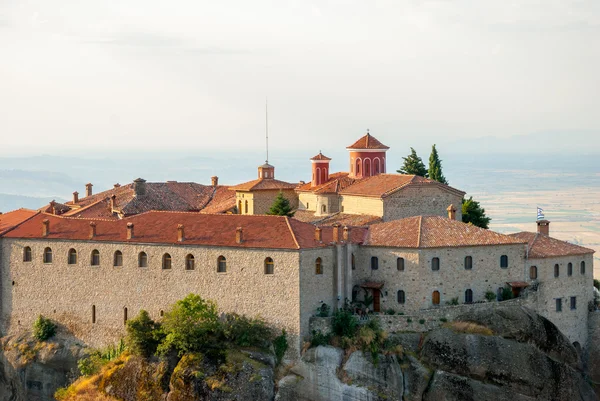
267	126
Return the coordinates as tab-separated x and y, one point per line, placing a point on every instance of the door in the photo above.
436	297
376	301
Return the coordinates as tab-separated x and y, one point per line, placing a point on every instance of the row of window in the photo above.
435	297
573	304
435	263
533	271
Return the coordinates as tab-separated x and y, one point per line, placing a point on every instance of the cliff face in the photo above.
510	354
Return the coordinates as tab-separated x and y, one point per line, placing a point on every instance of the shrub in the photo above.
390	311
344	323
443	320
323	310
43	329
92	363
371	339
143	335
280	344
597	283
507	293
490	296
453	301
469	328
318	338
246	332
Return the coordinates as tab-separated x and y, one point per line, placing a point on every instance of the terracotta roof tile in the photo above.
262	184
337	182
433	232
383	185
55	207
345	219
541	246
12	219
320	156
368	142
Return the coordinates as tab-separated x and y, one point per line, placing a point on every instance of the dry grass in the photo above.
469	328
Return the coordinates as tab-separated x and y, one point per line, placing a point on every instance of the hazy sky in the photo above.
194	74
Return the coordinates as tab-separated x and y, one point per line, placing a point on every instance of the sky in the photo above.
87	76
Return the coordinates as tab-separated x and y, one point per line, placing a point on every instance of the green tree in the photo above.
281	206
473	213
435	167
43	329
413	165
143	335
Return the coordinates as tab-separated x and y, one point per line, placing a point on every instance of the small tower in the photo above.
266	171
320	169
367	157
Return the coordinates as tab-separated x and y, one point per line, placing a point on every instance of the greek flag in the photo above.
540	213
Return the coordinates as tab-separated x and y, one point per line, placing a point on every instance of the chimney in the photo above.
113	202
543	227
117	185
88	189
214	180
45	227
129	230
139	187
53	206
180	233
346	234
451	212
92	229
336	232
239	235
75	197
318	234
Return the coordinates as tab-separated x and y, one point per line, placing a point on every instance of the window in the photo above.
570	269
240	207
353	262
556	270
269	266
533	272
468	263
401	297
95	258
374	263
504	261
358	167
307	205
72	257
118	258
323	209
27	254
469	296
318	266
558	304
124	315
435	298
48	255
93	313
142	259
573	303
400	264
435	264
582	267
245	207
166	261
221	264
189	262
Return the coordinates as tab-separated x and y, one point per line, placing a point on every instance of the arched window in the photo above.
353	262
125	315
401	297
95	258
374	263
118	258
435	298
245	207
240	207
504	261
269	266
93	313
556	270
582	267
48	255
318	266
72	257
376	166
142	259
166	261
468	262
400	264
367	167
323	209
221	264
189	262
469	296
27	254
533	272
358	163
435	264
570	269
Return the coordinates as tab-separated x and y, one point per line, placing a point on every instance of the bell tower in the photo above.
266	171
320	169
367	157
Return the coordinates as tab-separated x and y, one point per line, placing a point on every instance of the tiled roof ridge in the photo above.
71	212
62	216
19	209
287	221
420	231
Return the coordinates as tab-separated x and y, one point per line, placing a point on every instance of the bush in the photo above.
443	320
371	339
323	310
344	323
280	344
246	332
390	311
318	338
490	296
453	301
143	335
507	293
469	328
43	329
597	283
92	363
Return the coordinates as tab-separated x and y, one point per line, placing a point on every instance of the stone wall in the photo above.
362	205
259	202
421	200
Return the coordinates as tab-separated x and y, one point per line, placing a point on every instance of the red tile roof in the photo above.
383	185
55	207
345	219
368	142
320	156
270	232
337	182
433	232
263	184
541	246
12	219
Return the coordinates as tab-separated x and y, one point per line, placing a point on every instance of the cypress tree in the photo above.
281	207
435	167
473	213
413	165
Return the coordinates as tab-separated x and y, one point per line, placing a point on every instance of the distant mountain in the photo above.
12	202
